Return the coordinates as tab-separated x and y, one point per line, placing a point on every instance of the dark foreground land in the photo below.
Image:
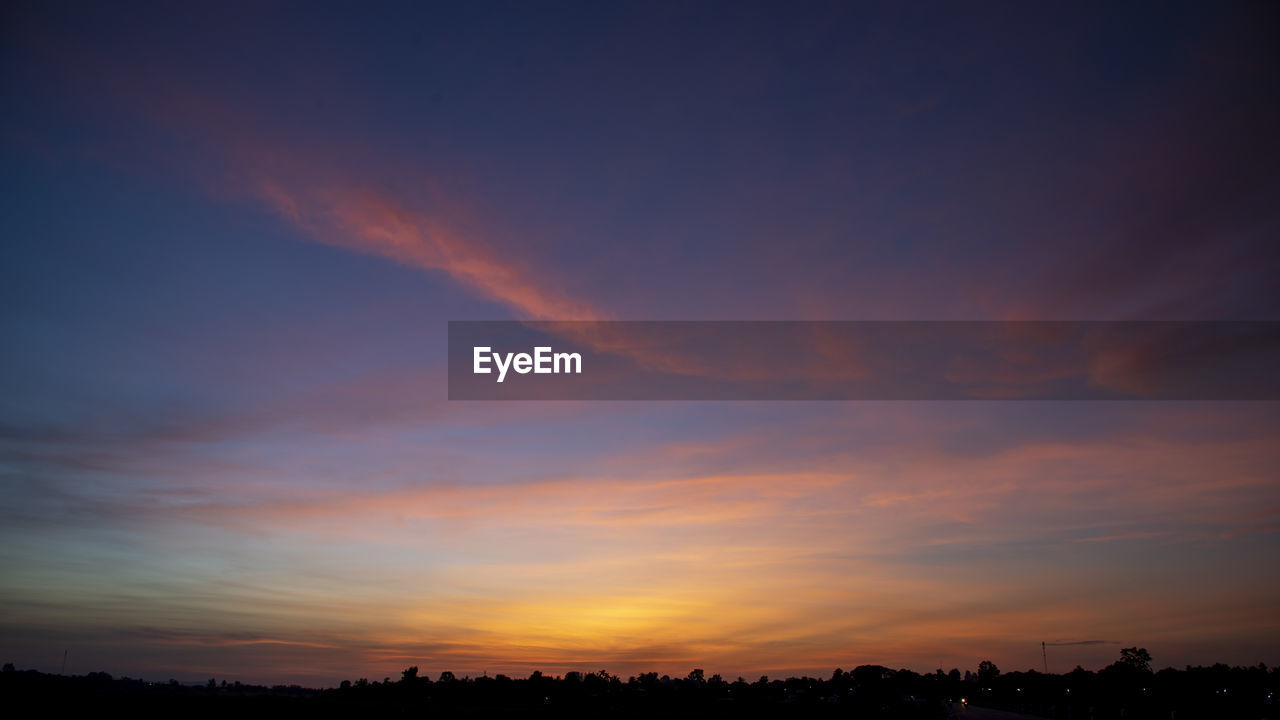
869	691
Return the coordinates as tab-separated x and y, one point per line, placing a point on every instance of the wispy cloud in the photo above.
1068	643
334	191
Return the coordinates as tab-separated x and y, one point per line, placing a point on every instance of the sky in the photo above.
232	236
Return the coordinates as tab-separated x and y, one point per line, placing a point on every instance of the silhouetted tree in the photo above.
1120	691
1137	658
987	671
409	675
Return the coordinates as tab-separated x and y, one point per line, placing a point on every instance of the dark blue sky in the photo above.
233	235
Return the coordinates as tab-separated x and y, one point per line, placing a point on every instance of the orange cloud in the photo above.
330	190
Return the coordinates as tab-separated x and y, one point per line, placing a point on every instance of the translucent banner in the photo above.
863	360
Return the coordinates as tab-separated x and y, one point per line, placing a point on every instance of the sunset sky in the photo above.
232	237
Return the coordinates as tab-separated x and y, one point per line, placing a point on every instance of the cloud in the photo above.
1067	643
375	222
334	190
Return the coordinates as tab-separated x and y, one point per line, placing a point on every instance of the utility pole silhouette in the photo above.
63	671
1045	655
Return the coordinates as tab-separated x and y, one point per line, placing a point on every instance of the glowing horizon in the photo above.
224	438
